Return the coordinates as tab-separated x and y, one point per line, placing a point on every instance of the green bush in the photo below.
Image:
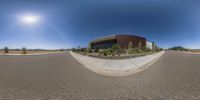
114	49
106	52
147	50
83	49
132	51
139	47
138	50
130	46
121	51
135	50
89	51
73	49
24	51
6	50
96	50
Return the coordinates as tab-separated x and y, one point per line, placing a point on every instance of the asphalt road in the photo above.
175	76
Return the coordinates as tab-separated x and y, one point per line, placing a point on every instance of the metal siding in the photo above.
123	40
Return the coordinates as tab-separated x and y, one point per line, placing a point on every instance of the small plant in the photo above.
147	50
82	49
78	48
89	50
24	51
6	50
105	54
96	50
130	46
61	50
115	48
134	51
73	49
85	51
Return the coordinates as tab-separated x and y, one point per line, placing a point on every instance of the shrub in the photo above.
89	51
122	51
6	50
85	52
78	48
130	46
139	45
73	49
105	54
136	50
24	51
110	51
96	50
82	49
114	49
133	51
61	50
147	50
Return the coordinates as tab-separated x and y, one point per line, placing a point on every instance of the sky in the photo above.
69	23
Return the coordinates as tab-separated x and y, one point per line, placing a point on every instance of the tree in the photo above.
24	51
6	50
89	50
90	46
179	48
153	46
140	45
78	48
114	49
130	46
73	49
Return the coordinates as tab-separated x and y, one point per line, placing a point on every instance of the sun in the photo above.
30	19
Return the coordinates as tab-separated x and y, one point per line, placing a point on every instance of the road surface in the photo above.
175	76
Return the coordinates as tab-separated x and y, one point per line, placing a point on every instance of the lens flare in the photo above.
30	19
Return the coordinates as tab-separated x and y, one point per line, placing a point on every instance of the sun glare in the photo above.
30	19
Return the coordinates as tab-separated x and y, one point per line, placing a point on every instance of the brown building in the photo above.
122	40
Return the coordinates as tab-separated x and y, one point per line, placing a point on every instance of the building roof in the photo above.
111	37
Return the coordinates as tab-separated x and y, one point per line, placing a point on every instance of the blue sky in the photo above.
69	23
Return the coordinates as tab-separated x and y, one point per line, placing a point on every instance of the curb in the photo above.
118	71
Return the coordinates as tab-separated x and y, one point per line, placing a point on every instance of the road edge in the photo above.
3	54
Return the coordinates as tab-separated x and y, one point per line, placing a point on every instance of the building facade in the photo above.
121	40
149	45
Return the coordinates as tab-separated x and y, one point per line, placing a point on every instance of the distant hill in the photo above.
179	48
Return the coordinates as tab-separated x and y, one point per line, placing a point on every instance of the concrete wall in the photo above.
149	45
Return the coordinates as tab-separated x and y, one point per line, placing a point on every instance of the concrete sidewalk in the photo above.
112	67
